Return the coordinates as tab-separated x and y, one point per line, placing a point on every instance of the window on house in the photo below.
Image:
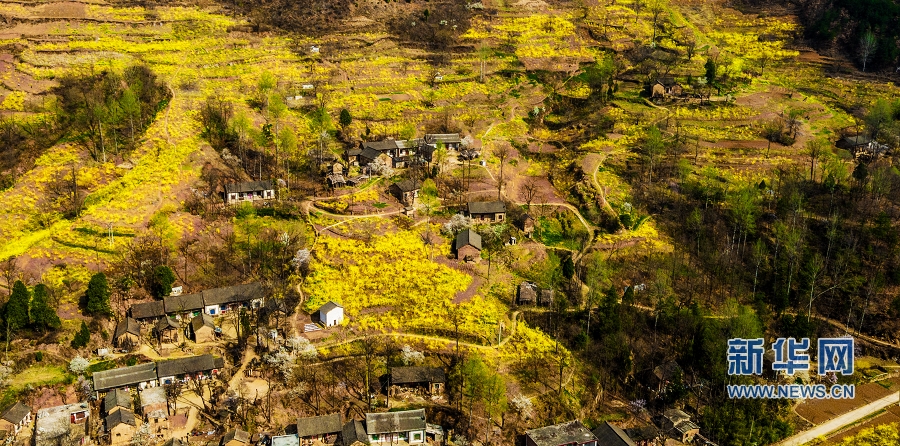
417	437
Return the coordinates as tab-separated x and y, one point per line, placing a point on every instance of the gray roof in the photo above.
353	152
321	425
148	310
412	375
565	433
231	294
446	138
407	185
183	366
152	396
331	305
676	416
686	426
387	144
404	421
238	435
129	325
486	207
124	376
248	186
853	141
185	302
167	324
175	442
610	435
121	416
528	292
354	431
200	320
117	398
468	237
369	153
15	413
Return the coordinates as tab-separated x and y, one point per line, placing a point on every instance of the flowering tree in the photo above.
78	365
457	223
409	356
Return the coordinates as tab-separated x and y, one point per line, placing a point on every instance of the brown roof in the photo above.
148	310
413	375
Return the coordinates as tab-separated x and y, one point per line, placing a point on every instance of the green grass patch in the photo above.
101	366
380	205
43	375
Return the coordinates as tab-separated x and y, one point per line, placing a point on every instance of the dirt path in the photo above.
841	421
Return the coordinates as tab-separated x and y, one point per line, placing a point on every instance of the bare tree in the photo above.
502	150
529	191
815	148
867	44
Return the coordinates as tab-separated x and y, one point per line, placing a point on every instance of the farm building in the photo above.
331	314
139	376
429	379
148	311
117	399
324	428
220	300
120	426
451	141
202	328
392	427
678	425
249	191
235	437
407	191
193	367
487	211
468	246
528	292
62	425
354	434
127	334
666	87
565	434
610	435
187	305
15	418
166	330
155	410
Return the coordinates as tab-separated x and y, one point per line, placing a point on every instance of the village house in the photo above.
451	141
15	418
610	435
235	437
166	330
644	436
335	180
527	295
139	376
528	225
155	409
183	369
368	155
431	380
354	434
407	191
249	191
392	427
468	246
62	425
120	426
202	329
128	334
487	211
678	425
331	314
183	306
572	433
219	300
665	87
117	399
398	152
352	156
148	312
325	429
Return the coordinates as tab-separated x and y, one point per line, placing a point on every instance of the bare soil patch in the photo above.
892	415
820	411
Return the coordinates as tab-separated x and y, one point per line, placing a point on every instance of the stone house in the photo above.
393	427
127	334
202	328
407	191
120	426
324	429
15	418
572	433
431	380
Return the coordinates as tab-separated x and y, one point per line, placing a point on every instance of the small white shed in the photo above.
331	314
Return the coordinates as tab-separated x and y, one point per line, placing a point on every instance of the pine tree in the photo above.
16	310
43	317
81	338
163	278
98	296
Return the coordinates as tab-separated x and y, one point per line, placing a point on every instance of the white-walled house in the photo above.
331	314
391	427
